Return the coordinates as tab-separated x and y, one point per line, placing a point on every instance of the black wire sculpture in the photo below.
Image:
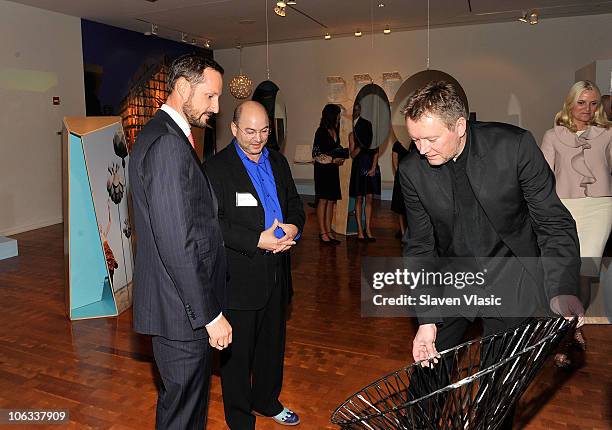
471	387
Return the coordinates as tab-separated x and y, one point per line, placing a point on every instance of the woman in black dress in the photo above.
365	182
397	200
326	173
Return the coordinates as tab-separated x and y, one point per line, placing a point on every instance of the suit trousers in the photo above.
184	367
252	367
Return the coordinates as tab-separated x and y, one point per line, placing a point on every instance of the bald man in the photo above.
261	217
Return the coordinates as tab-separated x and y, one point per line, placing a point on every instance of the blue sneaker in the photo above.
287	418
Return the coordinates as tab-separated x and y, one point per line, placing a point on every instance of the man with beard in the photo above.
261	215
180	270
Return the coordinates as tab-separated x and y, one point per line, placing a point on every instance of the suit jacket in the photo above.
252	273
516	189
180	269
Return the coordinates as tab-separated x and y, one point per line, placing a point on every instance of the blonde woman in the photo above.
579	151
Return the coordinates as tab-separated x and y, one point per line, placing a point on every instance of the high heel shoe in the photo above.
329	240
333	238
562	361
579	339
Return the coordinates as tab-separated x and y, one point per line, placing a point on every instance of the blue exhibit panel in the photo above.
90	291
8	248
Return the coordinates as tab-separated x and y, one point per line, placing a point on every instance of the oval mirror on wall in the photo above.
375	110
371	126
267	93
414	82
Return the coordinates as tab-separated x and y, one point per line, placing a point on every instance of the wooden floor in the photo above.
102	371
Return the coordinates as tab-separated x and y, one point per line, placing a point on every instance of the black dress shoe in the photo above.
370	238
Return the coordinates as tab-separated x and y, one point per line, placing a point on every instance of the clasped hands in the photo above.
269	242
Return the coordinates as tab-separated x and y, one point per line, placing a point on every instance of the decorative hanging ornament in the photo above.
241	86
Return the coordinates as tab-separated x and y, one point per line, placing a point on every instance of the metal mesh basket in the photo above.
472	386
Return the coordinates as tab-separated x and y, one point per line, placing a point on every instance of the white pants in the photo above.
593	216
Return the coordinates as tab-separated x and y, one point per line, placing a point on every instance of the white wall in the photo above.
503	67
604	76
40	57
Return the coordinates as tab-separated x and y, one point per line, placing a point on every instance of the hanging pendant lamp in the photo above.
241	86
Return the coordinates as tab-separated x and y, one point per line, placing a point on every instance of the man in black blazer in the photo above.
261	215
180	270
362	128
480	190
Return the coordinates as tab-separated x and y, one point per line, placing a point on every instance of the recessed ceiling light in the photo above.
291	2
381	4
358	33
387	30
281	4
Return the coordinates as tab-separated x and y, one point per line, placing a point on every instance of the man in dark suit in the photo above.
483	191
261	215
362	128
180	271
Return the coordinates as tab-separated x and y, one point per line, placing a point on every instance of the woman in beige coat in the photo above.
579	151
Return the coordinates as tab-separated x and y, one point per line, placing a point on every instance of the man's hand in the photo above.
219	333
372	171
288	240
424	344
338	161
568	306
267	240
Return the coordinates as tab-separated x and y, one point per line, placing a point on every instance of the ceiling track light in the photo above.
327	36
207	44
358	33
531	17
184	37
280	11
387	30
291	2
281	4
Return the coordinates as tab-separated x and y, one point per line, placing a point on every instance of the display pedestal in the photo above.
98	258
340	221
8	248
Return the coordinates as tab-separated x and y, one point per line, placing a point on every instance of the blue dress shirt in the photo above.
262	179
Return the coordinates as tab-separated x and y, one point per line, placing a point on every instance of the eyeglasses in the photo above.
250	133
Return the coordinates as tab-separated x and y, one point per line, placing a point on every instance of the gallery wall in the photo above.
511	72
40	57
